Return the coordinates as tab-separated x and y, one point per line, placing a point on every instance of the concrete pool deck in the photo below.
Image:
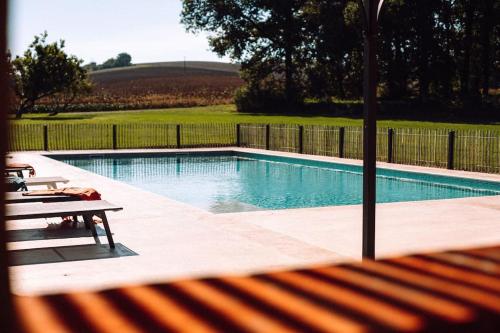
161	239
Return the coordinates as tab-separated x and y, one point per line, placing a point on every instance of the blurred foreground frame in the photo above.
6	307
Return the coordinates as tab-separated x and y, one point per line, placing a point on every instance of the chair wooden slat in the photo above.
92	306
421	293
246	316
422	300
453	273
312	314
158	305
456	290
387	314
38	316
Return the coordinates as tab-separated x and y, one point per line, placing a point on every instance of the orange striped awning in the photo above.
454	291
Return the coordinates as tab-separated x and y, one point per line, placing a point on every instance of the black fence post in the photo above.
238	133
451	149
268	135
341	141
114	137
301	139
45	138
390	136
178	130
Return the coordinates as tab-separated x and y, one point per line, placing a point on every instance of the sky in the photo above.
96	30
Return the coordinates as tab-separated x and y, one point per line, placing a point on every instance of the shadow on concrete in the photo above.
51	233
48	255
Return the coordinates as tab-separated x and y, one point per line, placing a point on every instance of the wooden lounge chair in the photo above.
455	291
86	209
19	197
50	182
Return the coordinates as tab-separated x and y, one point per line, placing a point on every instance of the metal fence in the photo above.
472	150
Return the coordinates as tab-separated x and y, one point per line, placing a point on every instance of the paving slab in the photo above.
163	239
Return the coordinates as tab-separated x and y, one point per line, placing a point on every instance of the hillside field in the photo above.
161	85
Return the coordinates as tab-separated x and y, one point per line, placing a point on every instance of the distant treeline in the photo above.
291	51
121	60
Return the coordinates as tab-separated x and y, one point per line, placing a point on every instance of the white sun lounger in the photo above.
50	182
18	197
86	209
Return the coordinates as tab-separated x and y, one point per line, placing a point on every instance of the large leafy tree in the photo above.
46	72
265	36
432	51
121	60
334	63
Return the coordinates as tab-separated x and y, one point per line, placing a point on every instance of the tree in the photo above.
265	36
110	63
488	37
394	51
334	63
438	52
45	71
121	60
91	66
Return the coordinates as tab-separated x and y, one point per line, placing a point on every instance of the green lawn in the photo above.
227	114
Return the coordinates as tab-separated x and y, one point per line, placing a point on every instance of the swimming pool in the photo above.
230	181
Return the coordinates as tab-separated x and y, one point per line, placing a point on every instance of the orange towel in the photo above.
82	193
22	166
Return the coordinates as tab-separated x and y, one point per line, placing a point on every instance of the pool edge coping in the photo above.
390	166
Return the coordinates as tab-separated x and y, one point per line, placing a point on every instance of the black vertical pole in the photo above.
178	131
390	136
451	149
45	138
238	135
114	137
370	11
268	135
301	139
341	141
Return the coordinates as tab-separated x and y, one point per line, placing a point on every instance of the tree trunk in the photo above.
446	81
339	74
25	107
288	48
465	73
487	25
21	109
424	30
289	87
423	73
398	60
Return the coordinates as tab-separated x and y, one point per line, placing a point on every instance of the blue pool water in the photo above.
232	182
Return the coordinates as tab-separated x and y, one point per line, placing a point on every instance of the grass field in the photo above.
477	146
228	114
